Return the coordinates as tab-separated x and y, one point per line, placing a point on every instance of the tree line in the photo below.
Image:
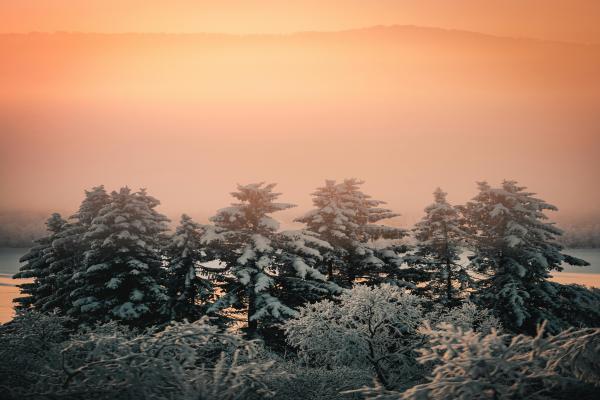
115	259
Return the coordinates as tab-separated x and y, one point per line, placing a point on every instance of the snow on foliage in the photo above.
58	258
515	249
470	365
182	361
189	290
345	217
41	264
122	275
466	316
440	238
29	345
261	264
370	327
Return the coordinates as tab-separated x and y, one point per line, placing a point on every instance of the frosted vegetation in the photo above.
118	307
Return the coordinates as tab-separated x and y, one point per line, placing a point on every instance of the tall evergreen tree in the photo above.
516	249
59	255
260	263
123	266
345	217
70	246
440	237
37	267
189	292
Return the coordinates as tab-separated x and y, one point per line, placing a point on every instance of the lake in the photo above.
9	265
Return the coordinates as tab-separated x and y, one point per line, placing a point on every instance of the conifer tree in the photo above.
301	276
59	255
345	217
260	264
37	267
123	266
188	291
440	237
70	246
516	249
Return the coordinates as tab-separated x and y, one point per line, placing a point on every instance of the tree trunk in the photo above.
252	323
330	270
448	282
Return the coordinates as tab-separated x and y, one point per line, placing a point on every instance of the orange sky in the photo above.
189	116
572	20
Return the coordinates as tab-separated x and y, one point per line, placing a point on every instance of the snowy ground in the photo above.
9	264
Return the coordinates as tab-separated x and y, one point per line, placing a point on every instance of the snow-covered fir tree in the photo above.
62	259
189	291
70	246
37	267
345	217
123	267
59	255
95	199
516	249
300	268
440	237
260	264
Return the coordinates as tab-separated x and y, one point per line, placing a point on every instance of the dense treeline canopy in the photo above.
116	306
115	259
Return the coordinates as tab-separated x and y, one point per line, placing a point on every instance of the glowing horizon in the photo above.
404	108
574	21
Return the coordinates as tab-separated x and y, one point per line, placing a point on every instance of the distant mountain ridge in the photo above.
405	108
370	30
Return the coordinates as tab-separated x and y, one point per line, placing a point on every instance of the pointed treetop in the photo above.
257	200
344	211
439	195
261	196
95	199
483	186
55	223
512	186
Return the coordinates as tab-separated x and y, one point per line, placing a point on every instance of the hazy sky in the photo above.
406	109
573	20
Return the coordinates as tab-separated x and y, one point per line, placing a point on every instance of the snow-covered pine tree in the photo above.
69	247
37	267
61	254
243	243
440	237
95	199
300	268
515	248
189	292
264	270
345	217
123	269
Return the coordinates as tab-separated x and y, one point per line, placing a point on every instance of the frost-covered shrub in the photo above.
467	316
366	327
184	361
318	383
28	345
299	381
472	365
